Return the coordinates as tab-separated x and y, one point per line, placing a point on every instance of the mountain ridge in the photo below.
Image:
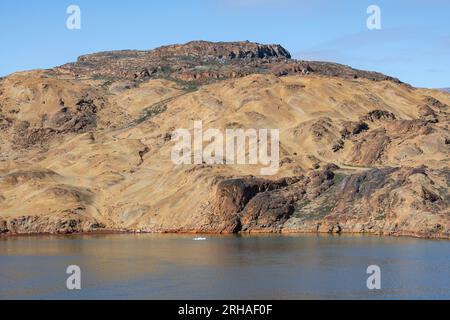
218	60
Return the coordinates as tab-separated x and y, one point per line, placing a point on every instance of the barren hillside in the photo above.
86	146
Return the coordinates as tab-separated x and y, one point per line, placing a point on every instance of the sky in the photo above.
413	43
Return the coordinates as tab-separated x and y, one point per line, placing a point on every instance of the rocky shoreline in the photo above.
289	205
249	233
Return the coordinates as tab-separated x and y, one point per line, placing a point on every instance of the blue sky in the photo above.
413	44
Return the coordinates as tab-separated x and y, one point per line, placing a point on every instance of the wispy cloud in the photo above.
346	48
373	38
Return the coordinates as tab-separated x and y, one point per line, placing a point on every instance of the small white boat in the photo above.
199	239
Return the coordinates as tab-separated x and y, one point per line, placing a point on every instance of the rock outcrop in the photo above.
202	62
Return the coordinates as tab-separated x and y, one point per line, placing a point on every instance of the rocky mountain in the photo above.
87	146
202	61
446	90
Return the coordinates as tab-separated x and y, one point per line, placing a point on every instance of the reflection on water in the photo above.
256	267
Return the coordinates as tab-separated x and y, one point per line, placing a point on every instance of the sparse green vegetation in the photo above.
188	86
360	166
443	192
107	80
151	112
381	215
338	178
324	210
314	213
302	204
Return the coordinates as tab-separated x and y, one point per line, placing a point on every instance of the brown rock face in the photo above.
381	201
267	211
233	196
87	146
61	225
258	205
223	50
378	115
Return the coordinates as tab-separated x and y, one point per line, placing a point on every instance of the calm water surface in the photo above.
257	267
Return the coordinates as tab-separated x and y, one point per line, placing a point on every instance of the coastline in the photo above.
413	235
